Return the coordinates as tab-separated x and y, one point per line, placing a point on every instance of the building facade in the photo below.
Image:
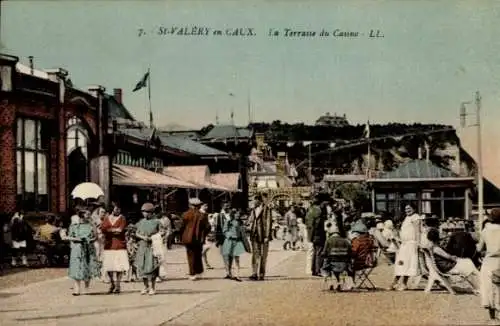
332	120
49	134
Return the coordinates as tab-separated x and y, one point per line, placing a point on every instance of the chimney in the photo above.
32	66
118	95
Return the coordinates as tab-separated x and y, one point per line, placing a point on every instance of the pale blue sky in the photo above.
433	56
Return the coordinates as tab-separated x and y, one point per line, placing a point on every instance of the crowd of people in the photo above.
104	244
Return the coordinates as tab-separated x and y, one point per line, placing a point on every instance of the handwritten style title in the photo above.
249	32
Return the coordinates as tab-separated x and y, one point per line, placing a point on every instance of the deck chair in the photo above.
362	273
435	275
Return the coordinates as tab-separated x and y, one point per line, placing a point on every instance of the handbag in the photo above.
495	277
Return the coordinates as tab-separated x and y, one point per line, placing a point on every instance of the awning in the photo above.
138	177
227	180
198	175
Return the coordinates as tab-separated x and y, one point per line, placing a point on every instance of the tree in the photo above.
356	193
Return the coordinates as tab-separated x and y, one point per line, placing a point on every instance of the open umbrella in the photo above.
87	190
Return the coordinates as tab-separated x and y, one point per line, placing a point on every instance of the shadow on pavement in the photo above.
95	312
7	295
184	291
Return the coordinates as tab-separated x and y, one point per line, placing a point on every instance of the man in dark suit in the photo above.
260	222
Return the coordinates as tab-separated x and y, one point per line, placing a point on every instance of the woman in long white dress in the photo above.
490	240
407	258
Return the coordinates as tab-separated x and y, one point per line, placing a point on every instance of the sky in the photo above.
432	57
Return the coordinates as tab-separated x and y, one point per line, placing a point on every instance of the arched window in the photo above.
76	136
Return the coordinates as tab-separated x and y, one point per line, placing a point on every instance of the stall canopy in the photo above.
138	177
195	174
227	180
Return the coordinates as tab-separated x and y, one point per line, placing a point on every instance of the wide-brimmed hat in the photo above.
148	207
359	228
495	215
195	201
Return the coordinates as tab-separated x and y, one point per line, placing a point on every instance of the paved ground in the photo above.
13	277
51	302
287	298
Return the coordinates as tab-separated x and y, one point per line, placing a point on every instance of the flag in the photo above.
366	133
142	83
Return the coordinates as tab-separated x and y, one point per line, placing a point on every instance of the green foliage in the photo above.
356	193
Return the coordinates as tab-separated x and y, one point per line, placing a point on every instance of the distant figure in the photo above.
21	234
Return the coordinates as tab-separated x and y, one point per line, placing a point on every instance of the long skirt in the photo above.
194	257
490	293
407	259
146	264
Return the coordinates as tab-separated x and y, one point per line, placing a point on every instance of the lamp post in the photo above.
463	116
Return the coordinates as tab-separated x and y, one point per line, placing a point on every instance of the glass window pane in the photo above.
391	196
410	196
380	196
381	206
38	130
42	174
29	171
29	134
19	163
19	135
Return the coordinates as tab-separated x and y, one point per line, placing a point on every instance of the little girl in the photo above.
302	234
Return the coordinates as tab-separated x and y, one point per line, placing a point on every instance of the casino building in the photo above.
49	134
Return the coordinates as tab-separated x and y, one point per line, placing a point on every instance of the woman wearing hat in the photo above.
147	265
490	241
83	265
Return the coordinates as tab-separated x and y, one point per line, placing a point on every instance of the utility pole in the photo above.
480	186
310	164
480	191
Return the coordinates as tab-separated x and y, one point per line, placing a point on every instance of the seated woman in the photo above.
336	253
449	264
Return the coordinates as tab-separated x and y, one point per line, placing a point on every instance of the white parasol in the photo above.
87	190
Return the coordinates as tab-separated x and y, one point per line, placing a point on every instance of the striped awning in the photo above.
138	177
198	175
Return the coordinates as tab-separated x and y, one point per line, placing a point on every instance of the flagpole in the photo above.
369	151
149	99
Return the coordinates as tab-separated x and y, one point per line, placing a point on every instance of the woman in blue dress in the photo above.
83	265
146	264
233	246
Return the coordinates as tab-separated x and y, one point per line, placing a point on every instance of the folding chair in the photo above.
362	273
445	279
